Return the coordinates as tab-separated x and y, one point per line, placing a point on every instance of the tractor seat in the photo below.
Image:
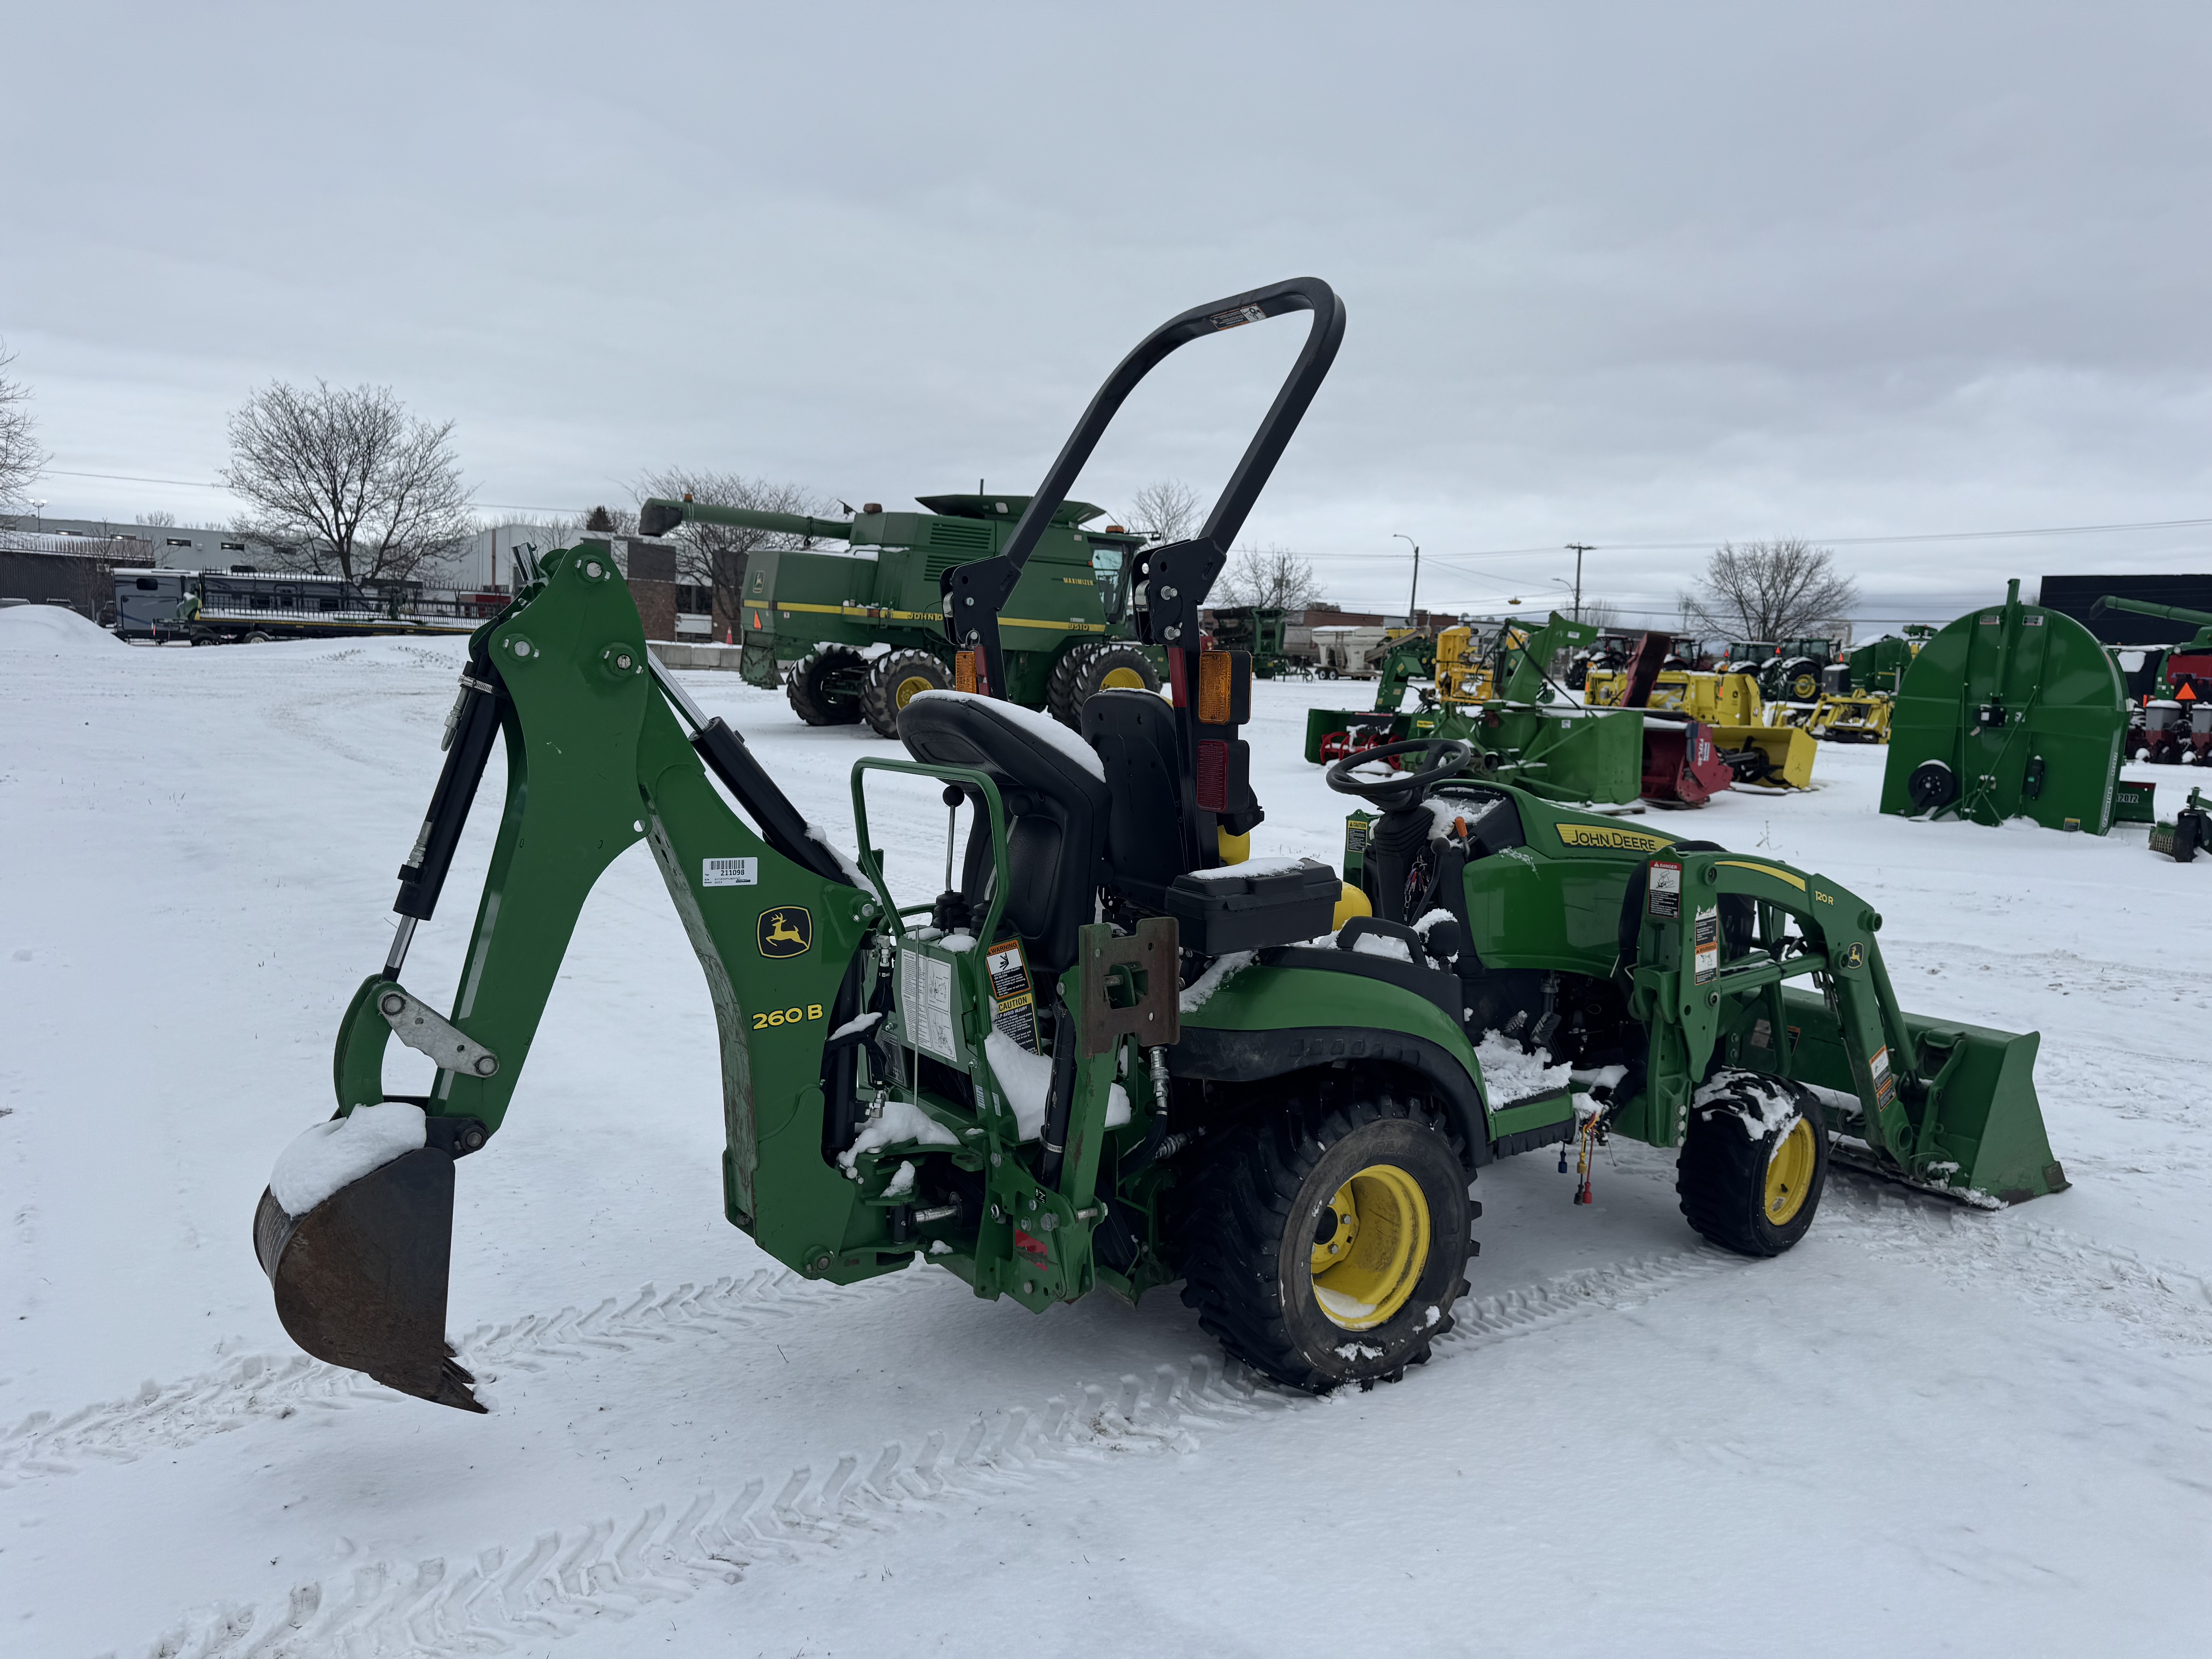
1153	853
1056	800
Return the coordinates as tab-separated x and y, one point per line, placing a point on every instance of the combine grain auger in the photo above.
1114	1052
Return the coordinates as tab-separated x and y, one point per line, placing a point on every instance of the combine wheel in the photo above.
1753	1162
1328	1244
1085	669
824	686
899	677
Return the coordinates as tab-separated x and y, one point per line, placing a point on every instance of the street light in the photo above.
35	504
1412	608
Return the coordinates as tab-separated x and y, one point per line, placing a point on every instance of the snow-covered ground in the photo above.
1926	1429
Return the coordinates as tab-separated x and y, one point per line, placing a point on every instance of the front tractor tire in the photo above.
1085	669
900	676
825	686
1327	1245
1754	1164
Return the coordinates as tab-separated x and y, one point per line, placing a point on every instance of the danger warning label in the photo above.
1664	897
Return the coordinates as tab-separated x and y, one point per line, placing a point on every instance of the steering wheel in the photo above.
1445	756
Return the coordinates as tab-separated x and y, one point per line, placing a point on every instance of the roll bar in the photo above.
1173	580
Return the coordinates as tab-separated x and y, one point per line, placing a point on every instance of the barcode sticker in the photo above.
729	872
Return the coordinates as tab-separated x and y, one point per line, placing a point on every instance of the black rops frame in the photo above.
1169	584
1179	576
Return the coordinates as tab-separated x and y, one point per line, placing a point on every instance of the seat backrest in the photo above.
1057	803
1148	843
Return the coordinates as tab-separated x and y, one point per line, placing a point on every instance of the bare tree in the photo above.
346	479
1165	509
22	460
1604	612
714	555
1776	590
157	520
1271	576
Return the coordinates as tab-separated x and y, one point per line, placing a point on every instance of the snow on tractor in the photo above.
1104	1056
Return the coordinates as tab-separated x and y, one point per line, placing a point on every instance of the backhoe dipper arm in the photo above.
1172	582
595	762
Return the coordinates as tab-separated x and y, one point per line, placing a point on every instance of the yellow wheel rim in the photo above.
1369	1248
1122	679
1789	1174
910	687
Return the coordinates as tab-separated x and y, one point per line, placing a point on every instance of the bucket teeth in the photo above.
360	1279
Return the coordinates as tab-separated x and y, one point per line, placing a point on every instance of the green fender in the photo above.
1271	1020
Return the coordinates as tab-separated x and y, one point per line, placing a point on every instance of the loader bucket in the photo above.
1977	1131
360	1279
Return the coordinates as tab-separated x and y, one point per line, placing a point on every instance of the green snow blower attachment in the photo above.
2015	711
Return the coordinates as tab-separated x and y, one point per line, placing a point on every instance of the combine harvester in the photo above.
1102	1056
830	615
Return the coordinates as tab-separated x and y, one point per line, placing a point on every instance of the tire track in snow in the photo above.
566	1577
253	1387
2165	1303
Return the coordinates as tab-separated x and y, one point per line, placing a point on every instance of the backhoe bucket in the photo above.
1976	1129
360	1278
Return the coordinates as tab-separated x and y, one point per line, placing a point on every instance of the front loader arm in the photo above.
1942	1104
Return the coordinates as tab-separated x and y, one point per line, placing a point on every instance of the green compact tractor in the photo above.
1101	1056
831	616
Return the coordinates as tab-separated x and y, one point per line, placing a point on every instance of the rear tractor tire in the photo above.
1327	1245
1085	669
1800	681
825	686
1754	1164
898	678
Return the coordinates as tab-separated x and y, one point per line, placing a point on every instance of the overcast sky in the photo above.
1626	274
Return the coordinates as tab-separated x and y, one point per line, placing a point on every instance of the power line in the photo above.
201	483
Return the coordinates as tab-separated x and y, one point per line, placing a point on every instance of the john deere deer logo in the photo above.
785	931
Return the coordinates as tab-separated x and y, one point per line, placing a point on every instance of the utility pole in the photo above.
1412	608
1578	549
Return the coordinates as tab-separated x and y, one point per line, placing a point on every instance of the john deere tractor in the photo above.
858	635
1109	1055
